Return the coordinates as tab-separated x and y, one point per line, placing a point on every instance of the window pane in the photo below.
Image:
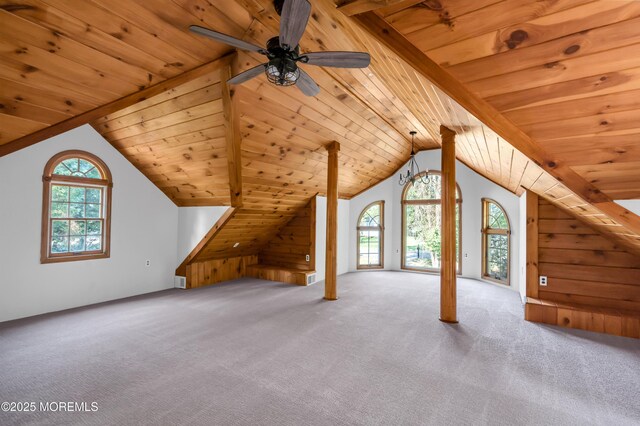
72	165
59	193
62	170
76	244
425	191
60	227
94	195
59	245
94	243
78	227
497	256
497	219
94	227
94	174
371	217
59	210
76	210
77	167
93	210
369	248
85	166
77	194
422	240
89	170
458	237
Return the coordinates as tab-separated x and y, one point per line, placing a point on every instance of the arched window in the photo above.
495	242
76	210
421	223
371	236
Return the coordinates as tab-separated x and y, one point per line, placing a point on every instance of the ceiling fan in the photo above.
283	51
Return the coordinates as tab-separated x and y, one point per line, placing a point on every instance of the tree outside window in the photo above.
422	222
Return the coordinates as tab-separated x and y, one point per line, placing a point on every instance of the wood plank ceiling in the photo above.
557	77
565	72
60	59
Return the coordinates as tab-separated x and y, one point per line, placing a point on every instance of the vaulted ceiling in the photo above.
542	95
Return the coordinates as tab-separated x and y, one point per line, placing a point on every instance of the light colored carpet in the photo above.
255	352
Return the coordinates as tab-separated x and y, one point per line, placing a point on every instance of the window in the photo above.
76	208
371	236
495	242
421	216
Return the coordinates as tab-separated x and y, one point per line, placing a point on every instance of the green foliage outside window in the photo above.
423	221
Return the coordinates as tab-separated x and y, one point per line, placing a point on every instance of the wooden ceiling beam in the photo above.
361	6
621	215
387	35
117	105
231	110
181	270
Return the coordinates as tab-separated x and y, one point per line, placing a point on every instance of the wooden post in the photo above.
448	308
331	264
532	245
232	131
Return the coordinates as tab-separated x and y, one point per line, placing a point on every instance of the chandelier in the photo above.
413	173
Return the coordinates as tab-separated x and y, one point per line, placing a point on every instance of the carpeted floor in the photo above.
254	352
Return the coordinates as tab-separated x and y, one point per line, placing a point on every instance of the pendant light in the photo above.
413	173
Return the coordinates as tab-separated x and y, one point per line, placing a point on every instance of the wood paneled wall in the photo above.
593	284
293	243
582	266
200	274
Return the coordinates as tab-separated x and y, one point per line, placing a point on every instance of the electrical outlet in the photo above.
148	263
543	280
466	255
307	258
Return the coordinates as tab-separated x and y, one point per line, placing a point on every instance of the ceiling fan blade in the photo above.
226	39
293	21
247	75
306	84
339	59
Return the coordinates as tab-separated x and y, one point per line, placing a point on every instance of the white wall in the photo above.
473	186
143	226
344	253
193	225
522	249
631	205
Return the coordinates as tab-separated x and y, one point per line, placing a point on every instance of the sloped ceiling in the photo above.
61	60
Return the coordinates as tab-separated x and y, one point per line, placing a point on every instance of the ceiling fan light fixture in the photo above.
283	50
282	69
282	72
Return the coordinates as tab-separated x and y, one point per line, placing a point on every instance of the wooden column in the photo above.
331	264
532	245
232	131
448	307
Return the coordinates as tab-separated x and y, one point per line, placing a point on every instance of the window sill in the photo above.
369	268
74	258
494	281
